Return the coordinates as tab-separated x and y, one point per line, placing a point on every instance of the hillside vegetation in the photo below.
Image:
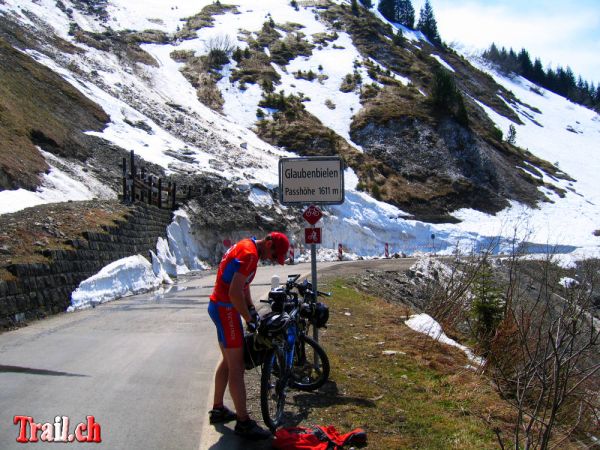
38	108
429	147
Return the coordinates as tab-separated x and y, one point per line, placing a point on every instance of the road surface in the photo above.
142	366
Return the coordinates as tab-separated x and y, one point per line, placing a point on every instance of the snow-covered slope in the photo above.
555	129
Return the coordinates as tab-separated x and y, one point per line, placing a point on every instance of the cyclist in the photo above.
229	301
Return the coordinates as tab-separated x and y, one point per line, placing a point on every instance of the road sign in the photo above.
312	235
315	179
312	214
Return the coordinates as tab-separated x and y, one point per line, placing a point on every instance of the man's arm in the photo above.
248	297
239	297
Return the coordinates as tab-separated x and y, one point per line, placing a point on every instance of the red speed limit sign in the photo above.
312	235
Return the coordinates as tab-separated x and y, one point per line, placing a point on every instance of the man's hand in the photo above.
253	313
253	325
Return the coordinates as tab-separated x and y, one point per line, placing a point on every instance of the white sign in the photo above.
315	179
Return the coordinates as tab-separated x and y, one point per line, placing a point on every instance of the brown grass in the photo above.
37	107
423	396
26	234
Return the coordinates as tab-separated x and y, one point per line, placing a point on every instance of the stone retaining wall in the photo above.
40	289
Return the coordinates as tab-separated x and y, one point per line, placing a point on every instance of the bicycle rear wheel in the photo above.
311	365
273	388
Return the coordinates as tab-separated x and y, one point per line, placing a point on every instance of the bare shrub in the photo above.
546	360
219	50
544	355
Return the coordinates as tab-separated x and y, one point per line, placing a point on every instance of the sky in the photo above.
565	33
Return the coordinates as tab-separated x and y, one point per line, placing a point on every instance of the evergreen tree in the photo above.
446	97
537	74
525	65
387	8
354	7
427	24
405	13
398	38
366	3
487	307
492	54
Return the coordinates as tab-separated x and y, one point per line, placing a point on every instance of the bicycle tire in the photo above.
273	386
305	376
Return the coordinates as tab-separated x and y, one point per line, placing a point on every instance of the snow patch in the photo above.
424	323
127	276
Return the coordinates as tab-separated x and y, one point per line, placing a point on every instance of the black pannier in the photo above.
254	351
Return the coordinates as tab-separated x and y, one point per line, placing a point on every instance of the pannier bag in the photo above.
320	315
254	350
317	437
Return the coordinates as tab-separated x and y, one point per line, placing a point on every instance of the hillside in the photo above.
215	89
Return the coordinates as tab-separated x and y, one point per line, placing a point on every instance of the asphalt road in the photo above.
142	366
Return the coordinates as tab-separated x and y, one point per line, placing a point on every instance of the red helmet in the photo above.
281	244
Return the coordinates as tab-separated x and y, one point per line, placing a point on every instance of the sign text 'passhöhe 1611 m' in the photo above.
318	179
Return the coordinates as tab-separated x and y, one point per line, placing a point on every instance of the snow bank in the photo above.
127	276
424	323
183	249
176	255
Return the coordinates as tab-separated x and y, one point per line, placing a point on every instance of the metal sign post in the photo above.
312	180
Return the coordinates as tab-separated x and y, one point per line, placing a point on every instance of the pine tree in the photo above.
354	7
492	54
398	38
487	307
405	13
525	65
428	25
387	8
537	75
366	3
446	98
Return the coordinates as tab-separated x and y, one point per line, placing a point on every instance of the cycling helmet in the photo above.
273	324
320	315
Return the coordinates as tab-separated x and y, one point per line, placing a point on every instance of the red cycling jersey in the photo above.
242	258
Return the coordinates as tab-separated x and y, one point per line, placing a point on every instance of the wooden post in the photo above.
132	168
150	188
159	202
143	184
125	180
169	194
174	196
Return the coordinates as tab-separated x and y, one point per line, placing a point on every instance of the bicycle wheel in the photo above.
273	388
311	365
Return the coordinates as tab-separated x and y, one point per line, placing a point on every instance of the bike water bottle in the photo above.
274	281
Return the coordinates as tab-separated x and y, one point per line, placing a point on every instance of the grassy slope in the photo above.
38	107
421	397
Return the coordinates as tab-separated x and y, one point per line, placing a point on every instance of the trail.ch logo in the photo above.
57	431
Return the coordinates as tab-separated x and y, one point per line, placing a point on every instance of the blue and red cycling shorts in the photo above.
228	322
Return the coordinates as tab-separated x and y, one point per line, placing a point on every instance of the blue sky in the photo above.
565	33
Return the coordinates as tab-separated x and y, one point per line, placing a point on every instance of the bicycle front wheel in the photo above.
273	388
311	365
